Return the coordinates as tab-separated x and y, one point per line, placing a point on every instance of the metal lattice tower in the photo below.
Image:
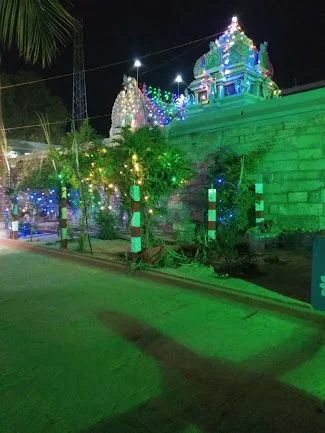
79	98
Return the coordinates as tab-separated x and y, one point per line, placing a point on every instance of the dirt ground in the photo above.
285	272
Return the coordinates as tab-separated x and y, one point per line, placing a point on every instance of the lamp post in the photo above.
178	80
137	65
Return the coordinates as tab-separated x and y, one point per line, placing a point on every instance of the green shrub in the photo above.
106	222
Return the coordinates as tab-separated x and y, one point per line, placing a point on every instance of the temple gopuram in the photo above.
233	101
232	72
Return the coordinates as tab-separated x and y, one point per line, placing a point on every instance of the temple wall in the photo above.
293	172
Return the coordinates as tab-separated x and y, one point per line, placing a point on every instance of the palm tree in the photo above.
35	27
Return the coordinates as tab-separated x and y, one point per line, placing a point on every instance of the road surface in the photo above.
84	350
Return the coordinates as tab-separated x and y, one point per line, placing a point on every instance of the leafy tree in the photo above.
69	166
144	157
54	171
21	105
76	145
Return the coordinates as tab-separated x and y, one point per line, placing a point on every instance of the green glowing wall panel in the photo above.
294	170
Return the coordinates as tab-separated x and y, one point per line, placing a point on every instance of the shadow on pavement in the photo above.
217	395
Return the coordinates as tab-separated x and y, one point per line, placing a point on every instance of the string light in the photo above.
231	67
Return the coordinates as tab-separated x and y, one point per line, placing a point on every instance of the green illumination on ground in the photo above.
85	350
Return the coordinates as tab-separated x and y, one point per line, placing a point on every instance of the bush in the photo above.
106	222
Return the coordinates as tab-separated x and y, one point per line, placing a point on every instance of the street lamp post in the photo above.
178	80
137	64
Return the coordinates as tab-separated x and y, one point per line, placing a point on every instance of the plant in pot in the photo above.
263	236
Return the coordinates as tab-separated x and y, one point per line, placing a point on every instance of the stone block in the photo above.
318	164
309	141
312	209
289	132
297	196
319	129
282	166
321	223
272	188
314	197
300	185
313	153
281	156
250	132
297	124
303	175
320	120
233	132
276	198
273	177
293	222
230	141
274	209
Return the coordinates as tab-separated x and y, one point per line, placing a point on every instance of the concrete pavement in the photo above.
91	350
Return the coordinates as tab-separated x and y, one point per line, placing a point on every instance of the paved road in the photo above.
89	351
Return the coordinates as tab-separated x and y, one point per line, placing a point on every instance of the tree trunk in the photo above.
147	232
14	223
81	238
85	216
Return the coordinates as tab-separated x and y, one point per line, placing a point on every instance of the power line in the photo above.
106	115
110	64
173	58
53	123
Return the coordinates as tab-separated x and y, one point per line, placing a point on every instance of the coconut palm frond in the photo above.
37	27
4	148
44	121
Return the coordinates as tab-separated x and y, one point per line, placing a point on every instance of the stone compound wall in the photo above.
293	172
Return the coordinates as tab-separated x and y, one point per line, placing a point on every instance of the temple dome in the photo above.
232	47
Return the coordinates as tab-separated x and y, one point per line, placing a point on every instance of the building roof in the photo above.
26	147
303	88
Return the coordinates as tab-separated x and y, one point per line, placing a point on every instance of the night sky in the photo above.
296	36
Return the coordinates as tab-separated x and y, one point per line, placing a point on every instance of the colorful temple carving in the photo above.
232	72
